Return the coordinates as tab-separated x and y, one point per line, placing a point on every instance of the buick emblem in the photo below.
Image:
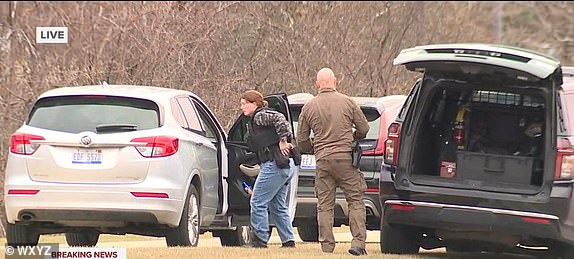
85	140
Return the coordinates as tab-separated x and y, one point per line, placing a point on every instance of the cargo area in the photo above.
486	138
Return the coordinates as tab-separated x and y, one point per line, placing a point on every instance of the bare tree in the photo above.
219	49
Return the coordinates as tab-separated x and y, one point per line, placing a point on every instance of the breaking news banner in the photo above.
53	251
51	34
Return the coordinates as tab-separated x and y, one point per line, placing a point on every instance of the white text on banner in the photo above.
90	253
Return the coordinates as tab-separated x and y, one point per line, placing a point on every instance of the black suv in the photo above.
380	112
480	158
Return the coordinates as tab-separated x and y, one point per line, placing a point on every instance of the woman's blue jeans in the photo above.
269	199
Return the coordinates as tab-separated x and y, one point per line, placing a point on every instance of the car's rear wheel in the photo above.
399	239
238	237
82	238
21	235
308	231
187	233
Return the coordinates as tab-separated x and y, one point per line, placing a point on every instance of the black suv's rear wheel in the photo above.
399	239
187	233
82	238
308	231
238	237
21	235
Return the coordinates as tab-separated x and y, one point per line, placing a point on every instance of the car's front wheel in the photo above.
82	238
399	239
308	231
238	237
187	233
21	235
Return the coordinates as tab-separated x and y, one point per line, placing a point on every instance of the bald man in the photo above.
331	116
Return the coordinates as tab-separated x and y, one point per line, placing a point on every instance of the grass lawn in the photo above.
59	238
303	250
152	247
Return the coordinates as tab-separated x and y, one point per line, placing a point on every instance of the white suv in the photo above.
127	159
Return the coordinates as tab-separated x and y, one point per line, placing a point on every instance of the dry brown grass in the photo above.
209	247
303	250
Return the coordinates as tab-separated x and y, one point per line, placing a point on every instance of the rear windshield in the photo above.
75	114
372	116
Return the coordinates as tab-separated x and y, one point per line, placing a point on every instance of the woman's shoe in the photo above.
256	242
288	244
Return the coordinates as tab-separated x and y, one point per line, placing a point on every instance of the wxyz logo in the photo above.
28	250
34	250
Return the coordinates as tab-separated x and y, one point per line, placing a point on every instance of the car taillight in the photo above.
158	146
564	160
392	144
402	207
23	192
21	144
536	220
160	195
372	189
565	164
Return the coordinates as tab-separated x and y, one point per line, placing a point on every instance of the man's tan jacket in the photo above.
331	116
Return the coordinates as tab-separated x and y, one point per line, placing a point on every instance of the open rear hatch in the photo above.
485	119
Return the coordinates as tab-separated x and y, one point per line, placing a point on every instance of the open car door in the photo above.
239	153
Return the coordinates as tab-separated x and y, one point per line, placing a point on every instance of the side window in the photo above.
178	114
210	128
190	115
274	103
238	132
279	104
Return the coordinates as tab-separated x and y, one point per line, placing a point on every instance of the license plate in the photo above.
308	162
87	156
